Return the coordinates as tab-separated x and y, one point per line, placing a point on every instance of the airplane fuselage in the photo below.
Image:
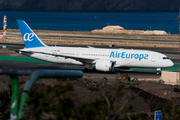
122	57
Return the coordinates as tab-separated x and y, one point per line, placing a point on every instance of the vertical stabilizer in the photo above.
30	39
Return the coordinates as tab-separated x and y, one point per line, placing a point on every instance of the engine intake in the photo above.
106	66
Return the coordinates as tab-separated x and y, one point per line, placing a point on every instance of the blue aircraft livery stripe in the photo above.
116	54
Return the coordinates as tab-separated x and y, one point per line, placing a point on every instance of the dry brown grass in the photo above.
62	41
87	42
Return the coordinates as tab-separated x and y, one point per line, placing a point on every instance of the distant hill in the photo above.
90	5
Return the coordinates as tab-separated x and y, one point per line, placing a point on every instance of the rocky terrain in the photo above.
90	5
142	96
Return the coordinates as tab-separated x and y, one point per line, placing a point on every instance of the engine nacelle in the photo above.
104	65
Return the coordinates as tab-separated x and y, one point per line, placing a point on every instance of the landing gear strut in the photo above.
159	70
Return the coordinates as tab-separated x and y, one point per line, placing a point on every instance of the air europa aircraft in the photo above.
102	59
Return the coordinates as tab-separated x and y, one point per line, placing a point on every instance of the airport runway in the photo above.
102	38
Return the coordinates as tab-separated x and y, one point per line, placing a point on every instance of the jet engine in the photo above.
106	66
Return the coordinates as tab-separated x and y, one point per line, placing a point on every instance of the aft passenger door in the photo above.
78	53
47	57
153	58
53	57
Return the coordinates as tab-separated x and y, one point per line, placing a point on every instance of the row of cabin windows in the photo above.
84	54
68	53
95	55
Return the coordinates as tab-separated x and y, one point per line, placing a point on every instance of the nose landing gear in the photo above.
159	70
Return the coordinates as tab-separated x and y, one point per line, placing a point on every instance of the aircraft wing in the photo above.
81	59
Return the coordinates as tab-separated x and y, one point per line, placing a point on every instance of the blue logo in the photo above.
128	55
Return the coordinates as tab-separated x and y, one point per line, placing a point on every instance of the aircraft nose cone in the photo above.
171	63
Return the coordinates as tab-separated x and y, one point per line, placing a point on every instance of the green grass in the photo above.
22	59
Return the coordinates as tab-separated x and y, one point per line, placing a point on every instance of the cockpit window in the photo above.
164	58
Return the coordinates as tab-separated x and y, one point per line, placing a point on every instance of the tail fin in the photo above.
31	40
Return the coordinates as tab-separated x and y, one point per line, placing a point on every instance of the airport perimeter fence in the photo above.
17	111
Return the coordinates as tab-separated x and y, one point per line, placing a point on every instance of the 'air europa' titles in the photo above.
128	55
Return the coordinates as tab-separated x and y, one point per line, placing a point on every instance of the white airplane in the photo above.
102	59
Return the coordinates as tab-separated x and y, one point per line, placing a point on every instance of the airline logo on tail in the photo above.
31	40
28	37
